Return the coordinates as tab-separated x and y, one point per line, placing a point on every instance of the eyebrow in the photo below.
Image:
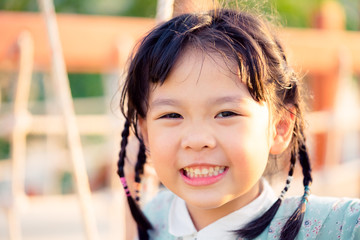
216	101
164	102
228	99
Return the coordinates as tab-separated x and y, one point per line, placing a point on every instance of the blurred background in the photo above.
58	151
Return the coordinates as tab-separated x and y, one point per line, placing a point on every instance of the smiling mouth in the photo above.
203	172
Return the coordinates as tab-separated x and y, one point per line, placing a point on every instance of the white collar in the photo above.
182	227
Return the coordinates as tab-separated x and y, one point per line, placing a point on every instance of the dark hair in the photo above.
245	39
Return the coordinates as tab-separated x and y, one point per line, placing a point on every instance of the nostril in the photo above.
198	137
198	143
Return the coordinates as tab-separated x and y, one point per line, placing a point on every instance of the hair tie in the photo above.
125	186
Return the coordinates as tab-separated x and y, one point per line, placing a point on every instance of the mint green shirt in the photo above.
325	219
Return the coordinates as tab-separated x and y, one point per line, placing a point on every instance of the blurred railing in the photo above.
100	44
91	43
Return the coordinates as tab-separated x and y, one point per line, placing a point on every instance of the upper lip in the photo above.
203	165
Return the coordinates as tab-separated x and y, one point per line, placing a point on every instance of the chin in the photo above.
206	205
206	201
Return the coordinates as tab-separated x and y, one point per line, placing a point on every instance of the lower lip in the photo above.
203	181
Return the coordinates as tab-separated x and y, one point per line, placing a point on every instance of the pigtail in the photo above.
258	225
139	169
142	222
293	224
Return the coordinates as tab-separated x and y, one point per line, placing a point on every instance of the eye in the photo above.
226	114
171	115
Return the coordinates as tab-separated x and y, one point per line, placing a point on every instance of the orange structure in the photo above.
90	42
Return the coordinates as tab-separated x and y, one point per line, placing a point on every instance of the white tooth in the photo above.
210	174
221	170
191	174
217	168
204	171
216	173
211	170
191	170
197	171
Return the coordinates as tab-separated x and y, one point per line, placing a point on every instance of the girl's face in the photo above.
208	139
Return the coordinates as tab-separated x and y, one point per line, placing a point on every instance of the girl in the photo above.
213	101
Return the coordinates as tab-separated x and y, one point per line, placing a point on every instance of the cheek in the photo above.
248	151
248	158
248	165
163	155
162	148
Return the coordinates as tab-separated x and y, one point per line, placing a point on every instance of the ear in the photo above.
283	131
143	131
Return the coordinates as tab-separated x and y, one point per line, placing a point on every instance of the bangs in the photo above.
237	41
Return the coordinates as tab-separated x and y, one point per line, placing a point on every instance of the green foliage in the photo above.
138	8
294	13
86	85
352	10
18	5
67	183
4	149
141	8
93	139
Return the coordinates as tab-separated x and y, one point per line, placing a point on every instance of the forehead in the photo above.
208	74
203	64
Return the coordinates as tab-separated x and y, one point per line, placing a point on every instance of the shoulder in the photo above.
161	201
341	216
157	211
325	217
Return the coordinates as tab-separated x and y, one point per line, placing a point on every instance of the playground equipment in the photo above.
78	43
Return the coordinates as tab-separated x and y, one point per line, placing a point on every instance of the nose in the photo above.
198	137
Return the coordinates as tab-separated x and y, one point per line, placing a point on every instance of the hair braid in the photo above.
122	155
305	163
290	174
293	224
139	169
258	225
142	222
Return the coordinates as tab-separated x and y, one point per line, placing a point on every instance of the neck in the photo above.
204	217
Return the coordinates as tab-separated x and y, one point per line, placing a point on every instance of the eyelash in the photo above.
171	115
227	114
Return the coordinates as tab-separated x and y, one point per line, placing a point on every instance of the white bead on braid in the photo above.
286	188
